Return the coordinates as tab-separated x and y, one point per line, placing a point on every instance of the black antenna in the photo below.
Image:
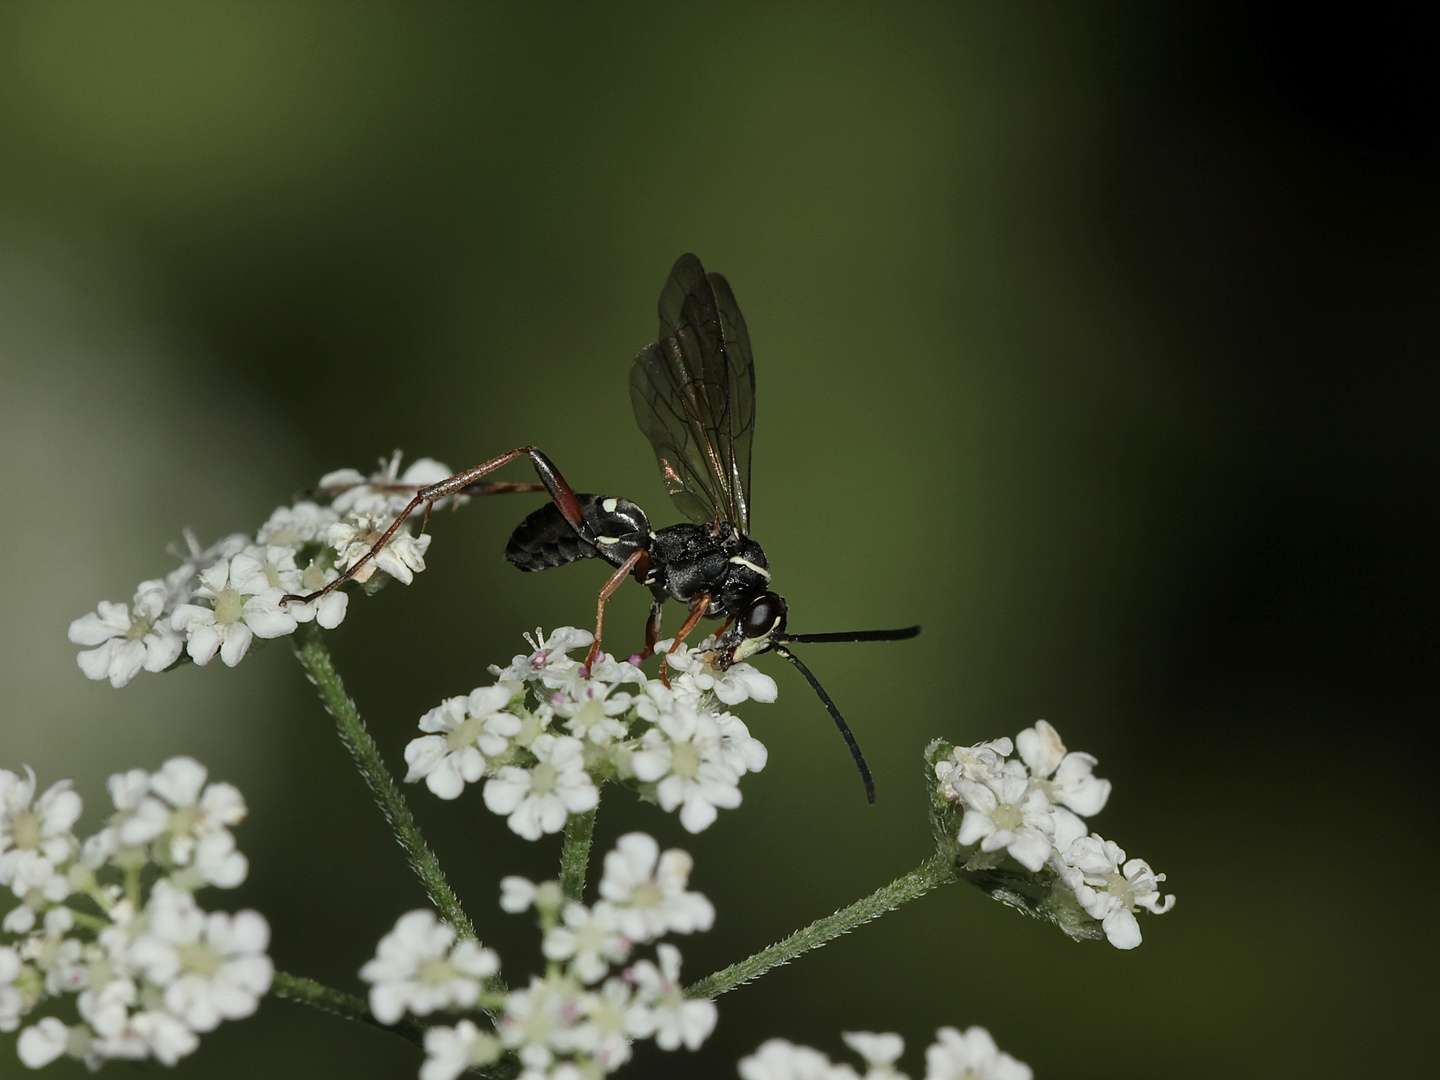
853	635
833	711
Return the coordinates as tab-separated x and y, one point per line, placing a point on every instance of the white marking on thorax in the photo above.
742	561
609	505
608	539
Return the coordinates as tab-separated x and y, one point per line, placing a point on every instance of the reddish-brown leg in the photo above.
639	562
550	478
699	606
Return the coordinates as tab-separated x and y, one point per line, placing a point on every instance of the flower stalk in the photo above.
338	1003
575	854
315	658
936	870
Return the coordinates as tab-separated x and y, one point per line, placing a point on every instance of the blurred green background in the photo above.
1100	339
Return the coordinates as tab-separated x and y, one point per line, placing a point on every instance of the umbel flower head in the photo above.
550	731
221	599
144	969
581	1018
1015	828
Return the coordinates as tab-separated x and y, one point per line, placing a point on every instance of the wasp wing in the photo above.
694	396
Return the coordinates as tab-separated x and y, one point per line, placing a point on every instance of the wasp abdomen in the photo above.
610	529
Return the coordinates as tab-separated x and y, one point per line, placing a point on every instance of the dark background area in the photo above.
1097	338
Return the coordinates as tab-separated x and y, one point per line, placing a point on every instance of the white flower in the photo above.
983	761
516	894
187	815
880	1052
737	683
402	557
590	712
1066	778
540	799
547	661
36	841
452	1051
739	749
971	1056
1110	889
388	491
212	965
1007	812
420	967
43	1042
471	727
540	1020
780	1059
244	605
684	755
590	939
278	563
670	1017
295	526
604	1034
165	1035
647	890
128	639
13	1003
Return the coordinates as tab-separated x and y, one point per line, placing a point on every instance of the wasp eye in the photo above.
763	615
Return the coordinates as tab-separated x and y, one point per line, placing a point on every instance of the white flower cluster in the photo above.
578	1020
220	598
551	729
1033	808
149	969
954	1055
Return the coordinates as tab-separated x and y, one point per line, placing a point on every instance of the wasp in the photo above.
693	392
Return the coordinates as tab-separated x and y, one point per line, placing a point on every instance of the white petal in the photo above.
237	643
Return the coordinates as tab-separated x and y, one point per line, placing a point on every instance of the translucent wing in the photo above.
694	396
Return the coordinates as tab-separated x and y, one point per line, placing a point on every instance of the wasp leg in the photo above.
639	562
699	606
467	481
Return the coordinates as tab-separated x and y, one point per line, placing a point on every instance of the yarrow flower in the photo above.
149	969
1032	809
221	598
551	730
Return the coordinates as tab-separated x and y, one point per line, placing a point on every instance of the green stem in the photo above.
315	658
936	870
575	854
339	1003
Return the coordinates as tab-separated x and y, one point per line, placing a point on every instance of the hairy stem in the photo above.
315	658
339	1003
936	870
575	855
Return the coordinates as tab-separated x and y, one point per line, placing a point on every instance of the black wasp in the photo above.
693	392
